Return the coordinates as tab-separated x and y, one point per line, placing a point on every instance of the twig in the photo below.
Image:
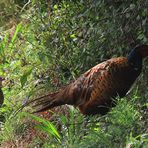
25	5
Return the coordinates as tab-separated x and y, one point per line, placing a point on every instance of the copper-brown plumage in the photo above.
95	90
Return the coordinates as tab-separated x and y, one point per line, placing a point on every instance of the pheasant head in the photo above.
136	56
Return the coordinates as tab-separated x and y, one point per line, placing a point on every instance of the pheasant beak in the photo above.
144	51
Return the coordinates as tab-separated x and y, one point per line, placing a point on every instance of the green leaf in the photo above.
72	36
18	28
24	77
47	127
55	7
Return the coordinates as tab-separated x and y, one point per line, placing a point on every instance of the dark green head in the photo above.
136	55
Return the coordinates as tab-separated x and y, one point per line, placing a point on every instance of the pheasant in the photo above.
1	92
94	91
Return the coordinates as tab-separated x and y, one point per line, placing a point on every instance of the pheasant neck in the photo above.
135	60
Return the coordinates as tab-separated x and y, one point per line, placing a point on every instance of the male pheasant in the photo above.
95	90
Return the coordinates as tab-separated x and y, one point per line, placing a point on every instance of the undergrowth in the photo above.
47	45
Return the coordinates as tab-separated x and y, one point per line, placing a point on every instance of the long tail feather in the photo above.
46	102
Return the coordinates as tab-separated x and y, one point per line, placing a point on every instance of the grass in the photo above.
121	127
50	46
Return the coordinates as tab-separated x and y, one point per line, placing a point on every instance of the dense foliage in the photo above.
46	44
